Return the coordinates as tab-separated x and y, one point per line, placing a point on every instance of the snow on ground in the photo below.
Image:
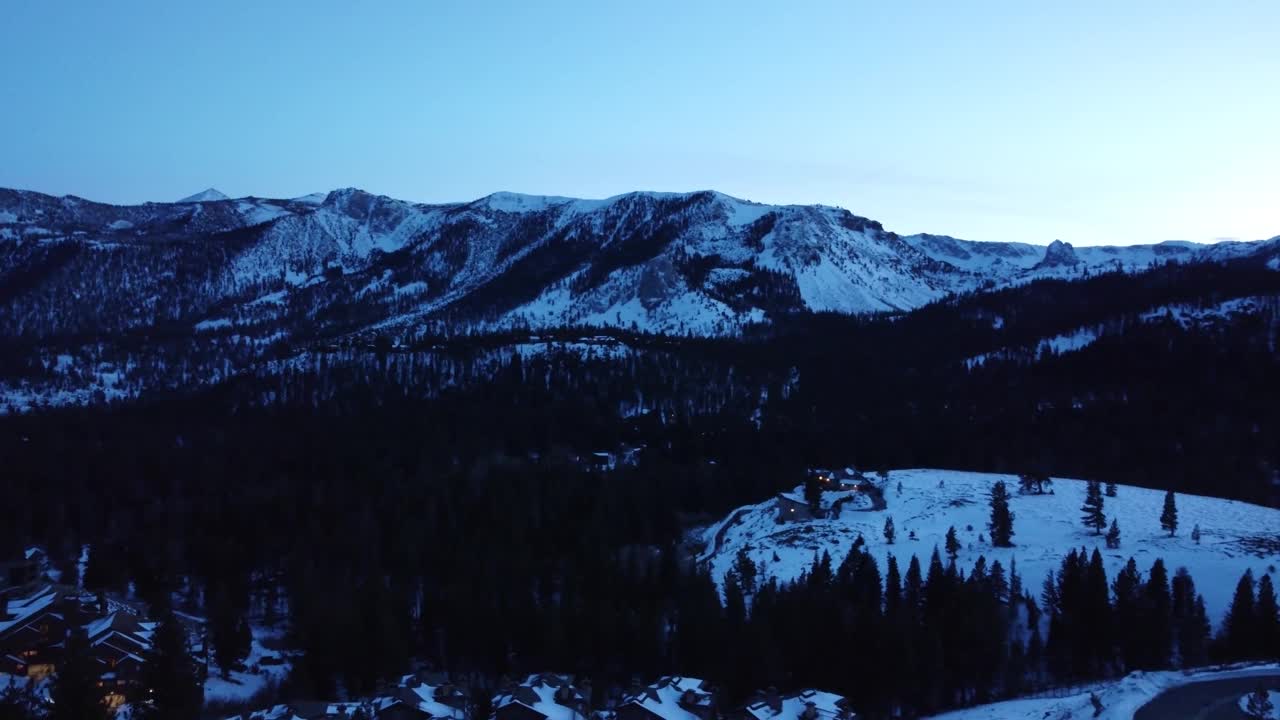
242	686
1120	698
1187	315
1235	536
1272	695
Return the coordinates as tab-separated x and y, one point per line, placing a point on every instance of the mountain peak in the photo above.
207	195
1059	254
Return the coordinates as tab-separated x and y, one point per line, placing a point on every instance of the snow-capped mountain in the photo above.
348	261
207	195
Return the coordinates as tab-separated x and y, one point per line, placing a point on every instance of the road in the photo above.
1208	700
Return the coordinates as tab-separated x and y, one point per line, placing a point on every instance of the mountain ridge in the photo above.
700	263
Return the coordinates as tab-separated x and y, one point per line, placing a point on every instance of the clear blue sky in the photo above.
1094	122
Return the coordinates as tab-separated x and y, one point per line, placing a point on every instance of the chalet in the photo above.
804	705
671	698
34	629
117	642
542	697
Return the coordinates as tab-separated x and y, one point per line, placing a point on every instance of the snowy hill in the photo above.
1235	536
1120	698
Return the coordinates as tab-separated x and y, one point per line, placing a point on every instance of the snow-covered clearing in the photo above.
1120	698
1235	536
242	686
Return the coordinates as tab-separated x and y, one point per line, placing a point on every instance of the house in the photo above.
671	698
542	697
34	630
118	642
806	704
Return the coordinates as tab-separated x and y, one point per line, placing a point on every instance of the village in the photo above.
38	615
548	696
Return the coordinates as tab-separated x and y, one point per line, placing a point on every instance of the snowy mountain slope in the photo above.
235	278
1006	262
702	262
1235	536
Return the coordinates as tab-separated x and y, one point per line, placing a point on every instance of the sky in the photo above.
1091	122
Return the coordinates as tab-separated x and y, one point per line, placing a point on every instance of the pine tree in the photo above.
1001	523
1157	622
1259	705
813	495
889	532
75	694
1267	619
1128	612
745	567
1169	516
170	675
1113	535
226	634
952	543
1237	629
1111	489
1195	534
1091	511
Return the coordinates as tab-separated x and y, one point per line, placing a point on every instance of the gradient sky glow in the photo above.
1110	122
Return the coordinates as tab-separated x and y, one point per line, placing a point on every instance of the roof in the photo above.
791	707
538	693
423	698
23	609
664	698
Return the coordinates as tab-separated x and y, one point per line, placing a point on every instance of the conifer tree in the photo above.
1128	610
1267	619
1091	511
1113	535
1195	534
170	675
889	532
1111	489
1238	639
813	495
74	693
1169	515
746	571
1157	622
1001	523
952	543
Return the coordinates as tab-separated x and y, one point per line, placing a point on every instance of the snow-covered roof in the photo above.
20	610
425	699
670	698
538	693
792	707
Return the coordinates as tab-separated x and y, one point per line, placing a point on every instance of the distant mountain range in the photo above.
700	263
